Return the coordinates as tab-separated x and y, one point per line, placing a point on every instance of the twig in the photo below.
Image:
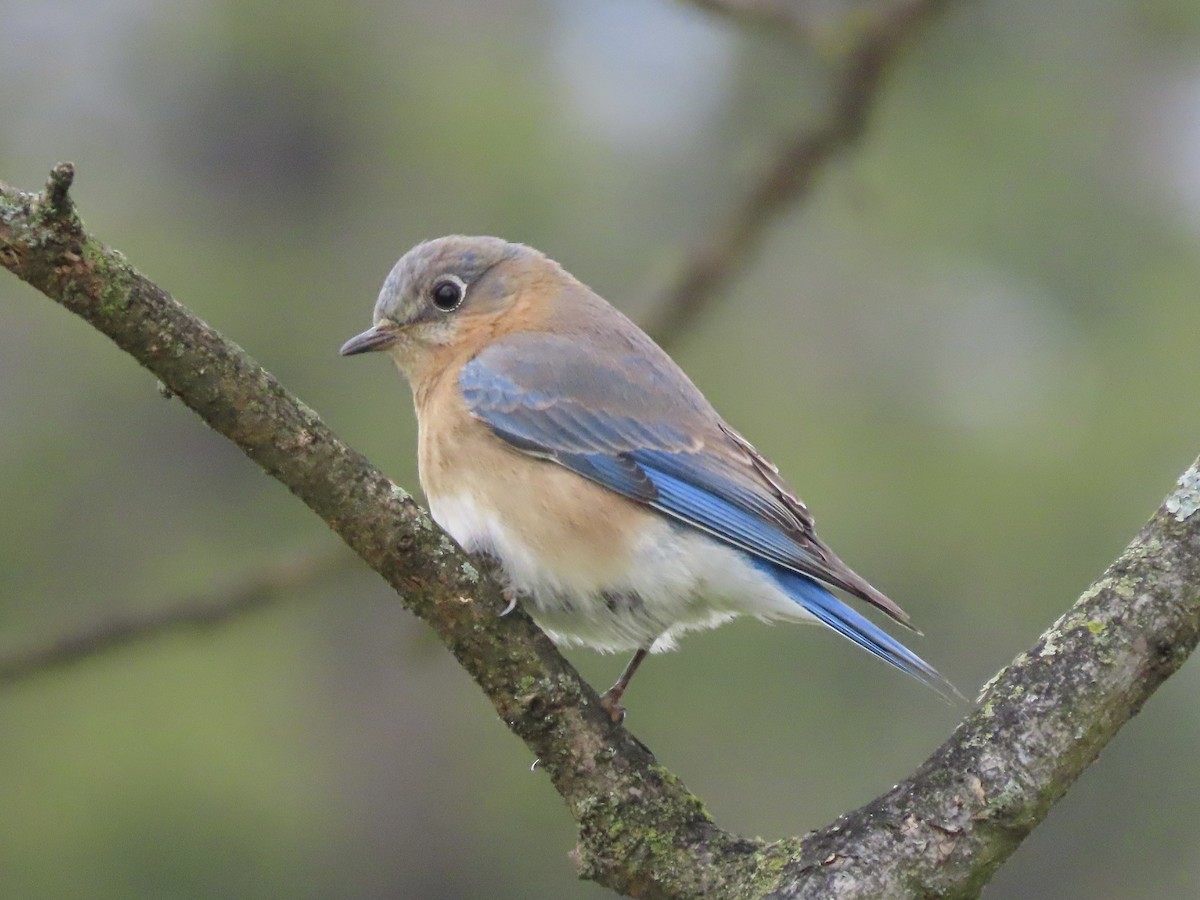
717	257
251	591
788	14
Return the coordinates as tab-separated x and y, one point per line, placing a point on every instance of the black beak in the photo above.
380	337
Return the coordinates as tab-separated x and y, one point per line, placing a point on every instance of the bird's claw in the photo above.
510	598
613	707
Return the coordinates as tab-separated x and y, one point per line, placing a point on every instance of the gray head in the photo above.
436	284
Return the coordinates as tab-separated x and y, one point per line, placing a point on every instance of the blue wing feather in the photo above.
857	628
686	494
617	473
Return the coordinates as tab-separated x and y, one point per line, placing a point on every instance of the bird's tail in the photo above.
831	611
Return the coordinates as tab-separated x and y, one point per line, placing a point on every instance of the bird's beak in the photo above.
379	337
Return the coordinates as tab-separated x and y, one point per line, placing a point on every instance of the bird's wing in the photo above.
639	427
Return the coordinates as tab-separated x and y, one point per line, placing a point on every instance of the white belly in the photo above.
672	580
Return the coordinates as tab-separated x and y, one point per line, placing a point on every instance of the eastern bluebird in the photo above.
558	438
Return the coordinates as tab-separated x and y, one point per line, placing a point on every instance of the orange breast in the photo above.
579	531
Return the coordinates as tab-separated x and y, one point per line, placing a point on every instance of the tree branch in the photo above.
250	591
786	14
718	256
942	832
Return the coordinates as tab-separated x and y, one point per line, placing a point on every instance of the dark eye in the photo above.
447	294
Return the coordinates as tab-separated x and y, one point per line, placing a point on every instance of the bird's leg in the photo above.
610	701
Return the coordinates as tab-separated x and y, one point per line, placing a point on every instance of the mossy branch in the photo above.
941	833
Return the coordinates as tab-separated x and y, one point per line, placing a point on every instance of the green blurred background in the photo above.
974	351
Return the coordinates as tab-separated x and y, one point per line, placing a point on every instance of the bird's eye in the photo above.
448	293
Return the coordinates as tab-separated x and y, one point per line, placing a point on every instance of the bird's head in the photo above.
438	288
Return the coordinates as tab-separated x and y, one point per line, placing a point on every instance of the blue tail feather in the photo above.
831	611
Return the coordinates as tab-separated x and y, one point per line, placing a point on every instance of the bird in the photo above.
558	439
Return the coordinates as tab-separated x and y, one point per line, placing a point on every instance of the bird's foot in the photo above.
610	702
